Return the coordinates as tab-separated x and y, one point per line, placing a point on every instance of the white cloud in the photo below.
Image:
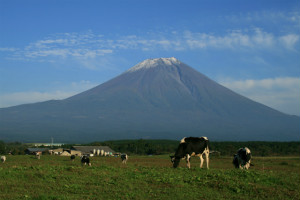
235	39
8	49
289	41
83	46
275	83
281	93
47	52
18	98
262	38
64	46
267	17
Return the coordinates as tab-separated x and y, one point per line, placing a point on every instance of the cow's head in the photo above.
175	161
172	159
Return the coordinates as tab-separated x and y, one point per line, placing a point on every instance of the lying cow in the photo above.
85	160
124	158
191	146
3	159
242	159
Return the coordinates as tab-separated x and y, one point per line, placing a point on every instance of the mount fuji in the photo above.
160	98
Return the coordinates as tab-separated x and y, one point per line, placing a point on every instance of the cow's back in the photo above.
192	145
245	154
196	144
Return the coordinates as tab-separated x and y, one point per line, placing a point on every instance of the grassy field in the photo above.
147	177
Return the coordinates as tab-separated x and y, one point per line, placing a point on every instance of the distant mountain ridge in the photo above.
160	98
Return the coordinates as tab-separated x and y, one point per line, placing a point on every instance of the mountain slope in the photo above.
157	98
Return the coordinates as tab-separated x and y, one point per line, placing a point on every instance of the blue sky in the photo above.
53	49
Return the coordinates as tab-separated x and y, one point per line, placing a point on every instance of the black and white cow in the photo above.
242	159
191	146
85	160
124	158
72	158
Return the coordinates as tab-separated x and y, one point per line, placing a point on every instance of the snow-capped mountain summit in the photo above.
160	98
150	63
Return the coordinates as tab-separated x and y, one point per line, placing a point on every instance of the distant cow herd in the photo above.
188	147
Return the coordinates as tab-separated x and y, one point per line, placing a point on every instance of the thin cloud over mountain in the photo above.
281	93
92	45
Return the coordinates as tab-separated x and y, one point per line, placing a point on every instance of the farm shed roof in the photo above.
76	153
90	149
58	150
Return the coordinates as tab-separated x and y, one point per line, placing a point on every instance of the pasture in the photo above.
147	177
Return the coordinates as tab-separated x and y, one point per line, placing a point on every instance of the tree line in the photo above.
15	148
158	147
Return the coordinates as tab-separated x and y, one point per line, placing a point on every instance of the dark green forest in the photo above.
15	148
158	147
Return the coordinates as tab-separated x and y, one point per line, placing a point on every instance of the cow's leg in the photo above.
188	159
240	163
207	158
201	160
241	167
248	164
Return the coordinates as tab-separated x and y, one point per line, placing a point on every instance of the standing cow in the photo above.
242	159
124	158
85	160
191	146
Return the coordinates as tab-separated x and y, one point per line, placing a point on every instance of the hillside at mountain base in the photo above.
159	98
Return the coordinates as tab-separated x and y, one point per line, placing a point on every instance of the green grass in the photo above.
55	177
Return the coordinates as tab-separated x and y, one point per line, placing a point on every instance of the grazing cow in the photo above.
124	158
242	159
191	146
72	158
85	160
3	159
